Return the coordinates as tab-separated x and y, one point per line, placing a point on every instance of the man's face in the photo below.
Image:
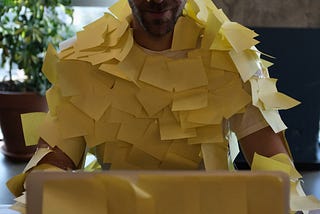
157	17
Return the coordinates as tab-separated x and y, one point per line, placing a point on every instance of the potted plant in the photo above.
26	29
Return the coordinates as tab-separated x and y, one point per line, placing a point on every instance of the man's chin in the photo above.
159	30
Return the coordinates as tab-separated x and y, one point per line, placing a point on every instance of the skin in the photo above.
153	24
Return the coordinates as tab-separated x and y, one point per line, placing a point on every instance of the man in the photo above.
160	90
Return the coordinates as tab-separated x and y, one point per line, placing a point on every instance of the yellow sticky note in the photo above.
247	63
183	118
74	148
185	26
155	72
121	9
220	43
263	163
132	64
190	99
273	118
114	36
215	155
49	131
172	161
143	159
54	98
233	146
182	148
49	64
240	37
222	60
74	196
187	73
150	142
153	99
171	129
95	102
233	97
212	114
91	36
73	122
38	155
299	203
31	123
67	71
15	184
114	70
278	101
124	97
132	130
208	134
126	44
212	28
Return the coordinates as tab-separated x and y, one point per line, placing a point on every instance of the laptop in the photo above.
157	192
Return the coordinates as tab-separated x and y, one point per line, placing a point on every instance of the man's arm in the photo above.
264	142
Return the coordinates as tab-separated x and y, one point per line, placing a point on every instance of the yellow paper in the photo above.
183	149
153	99
143	159
240	37
171	129
49	64
15	184
72	122
150	142
95	101
71	196
190	99
187	74
208	134
38	155
247	63
31	123
263	163
215	155
120	9
185	26
49	131
128	102
74	148
273	118
222	60
155	72
212	28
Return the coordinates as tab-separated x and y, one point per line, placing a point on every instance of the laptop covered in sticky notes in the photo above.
158	192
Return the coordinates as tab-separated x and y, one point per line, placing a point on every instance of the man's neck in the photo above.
148	41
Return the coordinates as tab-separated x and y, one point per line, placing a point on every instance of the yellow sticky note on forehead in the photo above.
186	34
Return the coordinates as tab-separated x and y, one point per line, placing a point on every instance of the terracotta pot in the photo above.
12	105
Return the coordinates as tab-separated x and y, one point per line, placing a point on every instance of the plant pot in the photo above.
12	105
